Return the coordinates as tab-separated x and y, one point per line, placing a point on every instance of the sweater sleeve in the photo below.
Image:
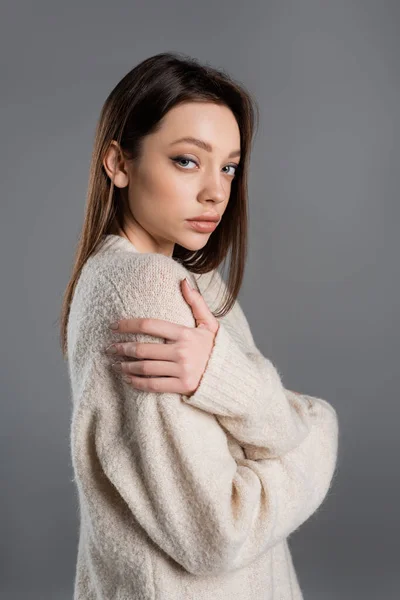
252	403
170	462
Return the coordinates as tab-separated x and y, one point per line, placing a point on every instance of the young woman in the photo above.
192	461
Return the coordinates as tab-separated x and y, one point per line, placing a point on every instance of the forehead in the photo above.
212	123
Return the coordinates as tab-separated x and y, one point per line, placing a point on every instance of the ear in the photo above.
115	165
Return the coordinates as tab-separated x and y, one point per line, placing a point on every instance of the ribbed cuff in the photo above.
231	383
245	392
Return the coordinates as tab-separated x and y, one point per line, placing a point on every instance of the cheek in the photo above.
161	182
166	192
151	181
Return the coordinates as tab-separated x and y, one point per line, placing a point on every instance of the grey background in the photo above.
321	291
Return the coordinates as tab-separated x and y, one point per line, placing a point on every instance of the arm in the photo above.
252	404
170	462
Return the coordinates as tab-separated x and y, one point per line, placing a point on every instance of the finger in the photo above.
200	309
154	327
167	385
152	368
150	350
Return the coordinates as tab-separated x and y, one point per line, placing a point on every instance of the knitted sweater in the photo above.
186	498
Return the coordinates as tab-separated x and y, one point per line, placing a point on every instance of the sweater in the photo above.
186	497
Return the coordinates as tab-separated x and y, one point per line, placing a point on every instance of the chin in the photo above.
193	245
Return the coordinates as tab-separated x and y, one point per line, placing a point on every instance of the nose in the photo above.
216	189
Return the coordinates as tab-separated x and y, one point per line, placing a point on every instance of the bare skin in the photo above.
171	183
162	193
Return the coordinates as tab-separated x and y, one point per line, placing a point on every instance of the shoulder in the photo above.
126	273
125	285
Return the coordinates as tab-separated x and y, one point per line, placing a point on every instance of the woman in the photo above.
192	461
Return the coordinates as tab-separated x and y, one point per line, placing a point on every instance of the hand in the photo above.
181	361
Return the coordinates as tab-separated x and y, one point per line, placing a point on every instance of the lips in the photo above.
202	226
205	217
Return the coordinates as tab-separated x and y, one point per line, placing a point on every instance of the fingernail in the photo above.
114	325
111	349
188	282
117	366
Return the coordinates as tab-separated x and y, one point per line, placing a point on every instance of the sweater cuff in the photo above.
230	383
245	392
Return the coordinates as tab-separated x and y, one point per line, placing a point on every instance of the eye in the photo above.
233	167
179	159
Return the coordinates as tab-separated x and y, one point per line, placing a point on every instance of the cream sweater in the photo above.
186	498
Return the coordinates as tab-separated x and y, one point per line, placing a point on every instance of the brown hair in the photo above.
134	109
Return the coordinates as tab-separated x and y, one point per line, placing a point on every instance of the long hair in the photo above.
133	110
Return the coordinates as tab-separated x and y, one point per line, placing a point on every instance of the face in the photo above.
178	180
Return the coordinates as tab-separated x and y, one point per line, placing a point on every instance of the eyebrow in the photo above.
202	144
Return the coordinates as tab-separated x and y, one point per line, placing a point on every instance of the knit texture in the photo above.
186	498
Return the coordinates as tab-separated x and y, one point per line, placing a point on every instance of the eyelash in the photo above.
177	159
